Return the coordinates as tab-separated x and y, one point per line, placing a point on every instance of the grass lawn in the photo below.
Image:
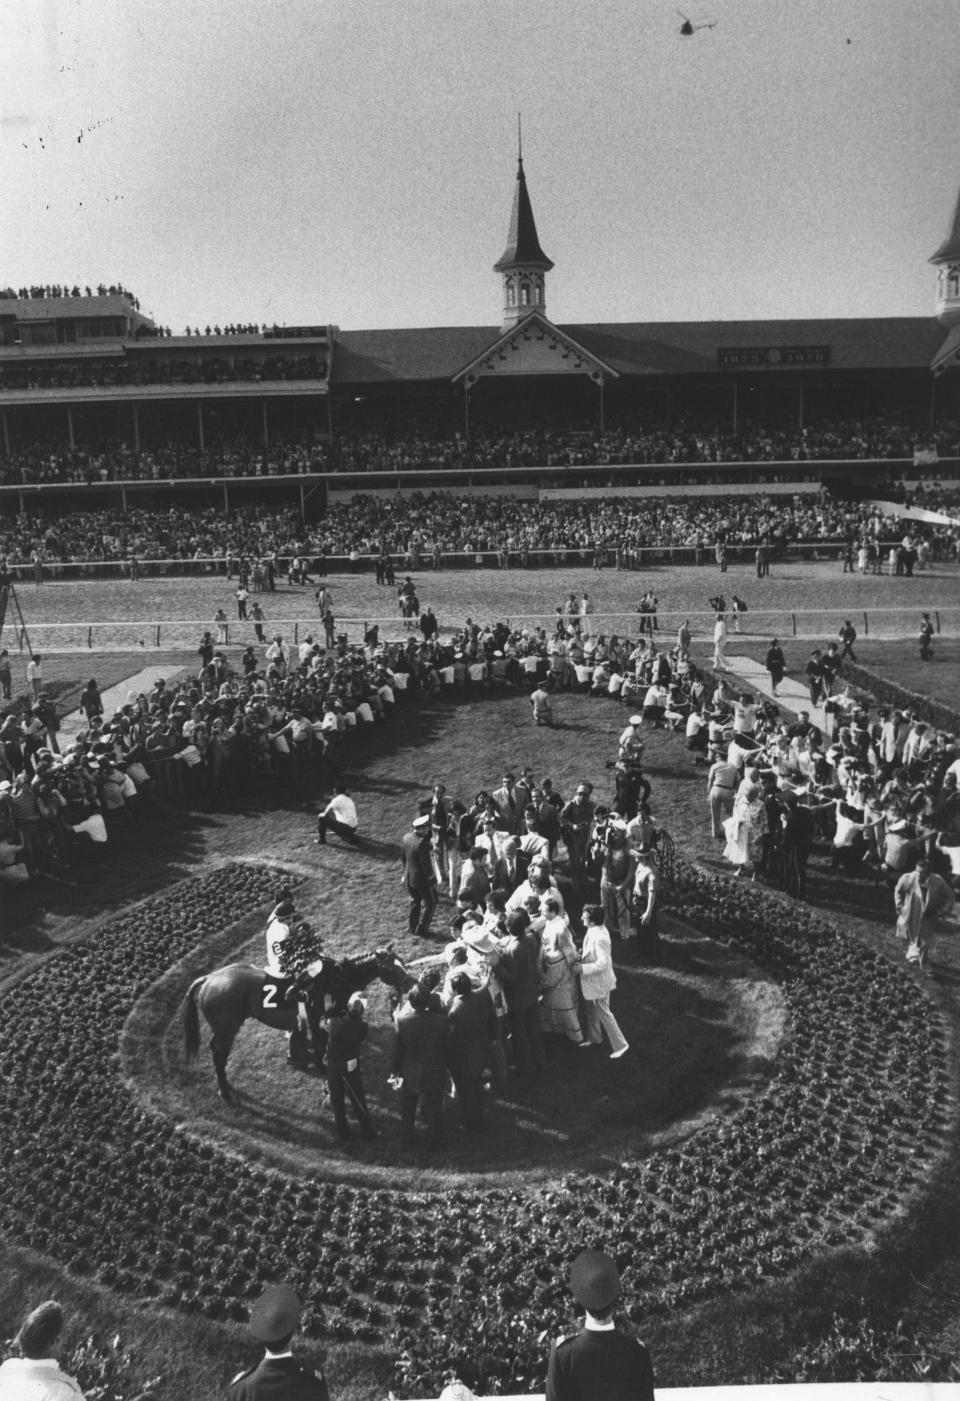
704	1029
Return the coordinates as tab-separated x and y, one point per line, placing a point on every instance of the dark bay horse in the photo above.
230	996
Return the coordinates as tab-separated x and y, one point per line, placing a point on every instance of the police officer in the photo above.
599	1360
274	1319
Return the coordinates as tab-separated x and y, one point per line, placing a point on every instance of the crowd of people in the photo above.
40	291
407	452
602	1358
423	531
677	442
878	793
140	370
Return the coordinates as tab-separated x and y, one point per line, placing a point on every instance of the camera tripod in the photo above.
10	604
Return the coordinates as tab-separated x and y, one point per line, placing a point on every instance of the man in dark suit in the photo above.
471	1032
274	1319
599	1361
418	878
419	1065
518	970
346	1035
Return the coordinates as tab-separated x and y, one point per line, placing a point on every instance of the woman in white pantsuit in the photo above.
597	981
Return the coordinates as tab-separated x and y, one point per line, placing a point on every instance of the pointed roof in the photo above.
523	245
950	247
535	346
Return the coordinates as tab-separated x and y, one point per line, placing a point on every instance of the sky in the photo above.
352	161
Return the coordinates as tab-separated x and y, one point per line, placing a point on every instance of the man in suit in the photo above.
471	1032
346	1034
418	1065
418	878
506	802
274	1319
600	1360
518	971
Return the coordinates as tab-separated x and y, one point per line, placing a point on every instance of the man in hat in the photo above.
599	1361
274	1319
35	1375
630	744
418	879
646	901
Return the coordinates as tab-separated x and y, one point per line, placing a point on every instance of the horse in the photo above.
230	996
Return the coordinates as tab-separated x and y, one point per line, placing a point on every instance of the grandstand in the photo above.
96	399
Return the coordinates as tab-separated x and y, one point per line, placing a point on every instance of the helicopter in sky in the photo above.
688	27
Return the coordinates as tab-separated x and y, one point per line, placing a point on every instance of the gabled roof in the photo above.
555	347
642	348
523	245
950	247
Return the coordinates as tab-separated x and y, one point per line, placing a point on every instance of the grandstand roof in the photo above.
61	308
645	348
523	245
950	247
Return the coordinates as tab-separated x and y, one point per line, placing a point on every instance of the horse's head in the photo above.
391	969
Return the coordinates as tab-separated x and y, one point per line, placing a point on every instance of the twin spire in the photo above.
523	264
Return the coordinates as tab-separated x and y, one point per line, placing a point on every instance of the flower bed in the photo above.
855	1110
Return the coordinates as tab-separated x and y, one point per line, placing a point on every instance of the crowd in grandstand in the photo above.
139	370
45	291
423	530
44	462
678	442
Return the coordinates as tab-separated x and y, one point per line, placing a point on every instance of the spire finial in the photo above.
519	138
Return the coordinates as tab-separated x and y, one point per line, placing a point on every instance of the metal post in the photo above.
602	382
70	427
226	500
466	413
136	428
123	498
200	423
933	402
266	429
800	420
6	434
735	407
303	505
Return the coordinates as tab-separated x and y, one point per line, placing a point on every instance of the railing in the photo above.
758	625
642	558
797	1391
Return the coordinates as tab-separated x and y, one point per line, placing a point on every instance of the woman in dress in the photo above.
558	980
746	829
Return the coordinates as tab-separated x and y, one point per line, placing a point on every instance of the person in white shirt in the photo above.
278	931
340	816
720	644
597	981
35	1375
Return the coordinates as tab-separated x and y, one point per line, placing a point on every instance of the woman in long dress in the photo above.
558	980
746	829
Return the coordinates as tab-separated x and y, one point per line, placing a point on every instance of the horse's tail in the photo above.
191	1018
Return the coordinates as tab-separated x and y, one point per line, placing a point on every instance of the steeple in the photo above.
947	262
523	264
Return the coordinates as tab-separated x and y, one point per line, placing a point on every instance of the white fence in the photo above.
761	624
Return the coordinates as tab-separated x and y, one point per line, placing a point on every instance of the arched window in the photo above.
511	292
953	280
525	294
